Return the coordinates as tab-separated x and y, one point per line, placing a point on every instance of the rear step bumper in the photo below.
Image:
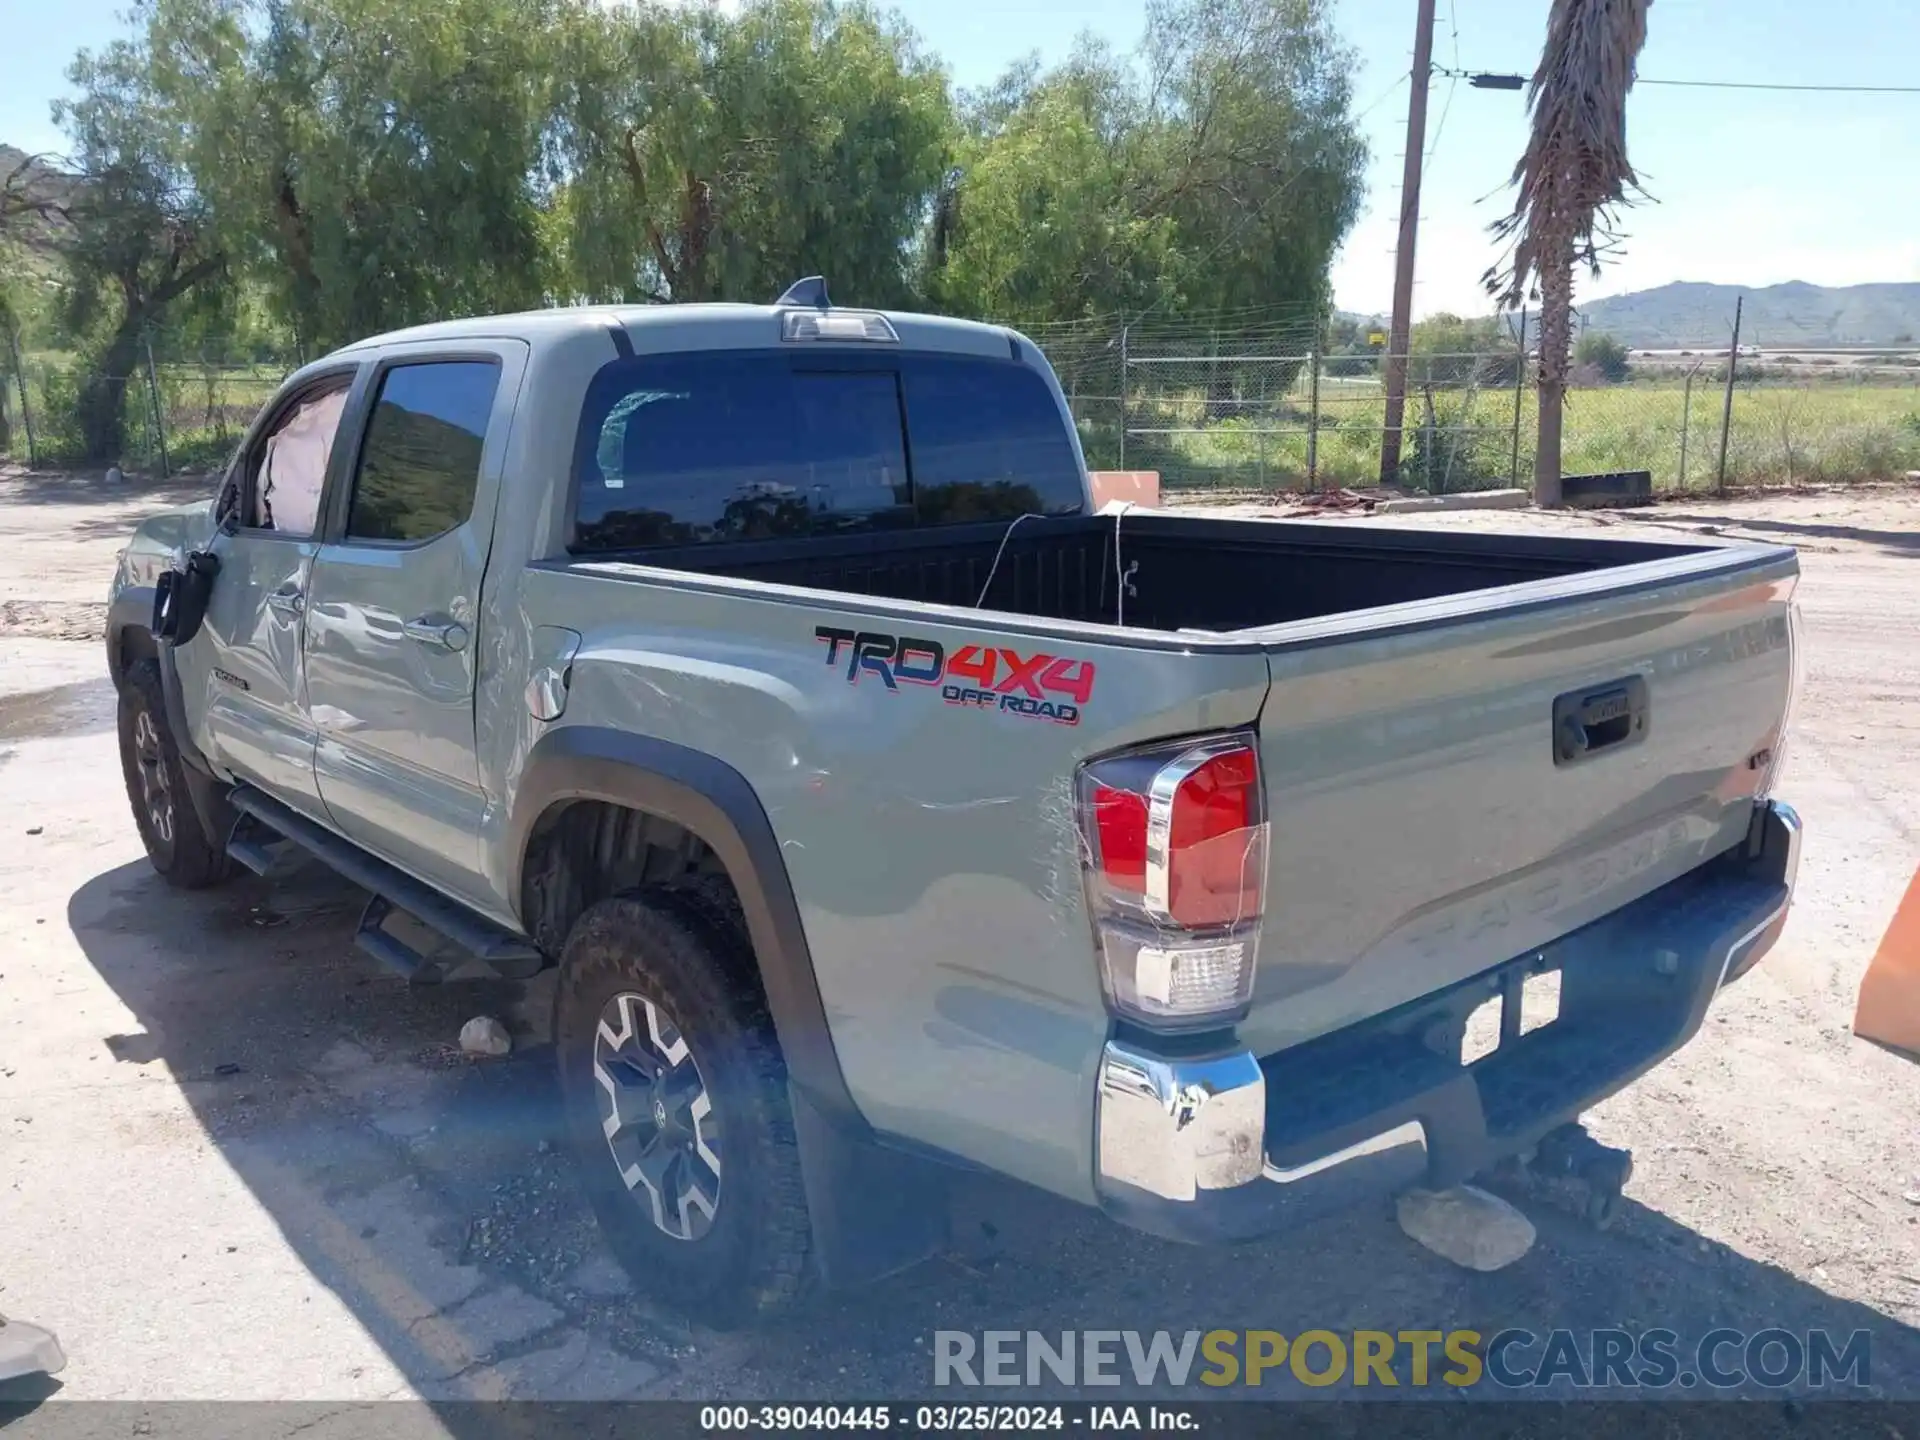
1229	1146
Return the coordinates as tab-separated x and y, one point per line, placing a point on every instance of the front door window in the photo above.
293	467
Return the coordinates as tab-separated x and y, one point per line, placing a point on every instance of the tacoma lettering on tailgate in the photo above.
983	677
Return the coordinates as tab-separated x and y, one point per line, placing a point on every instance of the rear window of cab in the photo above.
691	449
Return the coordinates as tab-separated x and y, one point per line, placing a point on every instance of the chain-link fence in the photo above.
1264	408
1798	422
177	411
1247	403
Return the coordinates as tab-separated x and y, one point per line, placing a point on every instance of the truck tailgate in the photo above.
1454	783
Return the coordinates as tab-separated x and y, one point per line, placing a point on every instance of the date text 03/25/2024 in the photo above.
944	1419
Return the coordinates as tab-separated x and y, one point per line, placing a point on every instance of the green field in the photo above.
1824	430
1781	433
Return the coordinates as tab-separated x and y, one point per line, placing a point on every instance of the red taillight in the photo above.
1176	868
1213	870
1120	825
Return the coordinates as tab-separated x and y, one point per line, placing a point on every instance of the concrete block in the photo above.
1465	500
1467	1226
1139	487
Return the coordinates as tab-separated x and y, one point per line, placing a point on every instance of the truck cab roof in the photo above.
717	326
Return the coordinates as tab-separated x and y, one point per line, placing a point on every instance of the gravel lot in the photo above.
238	1161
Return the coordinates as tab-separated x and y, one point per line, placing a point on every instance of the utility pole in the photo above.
1401	329
1726	413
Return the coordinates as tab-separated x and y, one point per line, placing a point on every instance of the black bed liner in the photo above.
1180	571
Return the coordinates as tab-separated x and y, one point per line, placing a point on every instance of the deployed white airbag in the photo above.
287	497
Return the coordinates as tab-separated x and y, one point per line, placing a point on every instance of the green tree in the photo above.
708	156
1220	172
1604	355
1447	350
1254	150
364	164
140	236
1567	184
1038	222
372	163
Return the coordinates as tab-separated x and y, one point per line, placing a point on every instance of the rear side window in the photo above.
691	449
709	449
420	464
988	443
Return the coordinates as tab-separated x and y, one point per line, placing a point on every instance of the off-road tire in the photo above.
673	951
170	827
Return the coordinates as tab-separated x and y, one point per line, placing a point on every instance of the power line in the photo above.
1384	96
1816	89
1453	83
1485	81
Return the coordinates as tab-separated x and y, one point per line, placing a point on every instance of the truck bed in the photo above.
1425	821
1183	572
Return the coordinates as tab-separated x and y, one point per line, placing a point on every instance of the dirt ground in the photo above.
238	1161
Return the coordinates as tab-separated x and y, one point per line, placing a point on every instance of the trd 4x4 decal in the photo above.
985	677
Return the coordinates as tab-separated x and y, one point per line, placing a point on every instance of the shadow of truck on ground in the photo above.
431	1194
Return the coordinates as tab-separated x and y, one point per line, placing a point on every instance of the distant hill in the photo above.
1775	316
27	185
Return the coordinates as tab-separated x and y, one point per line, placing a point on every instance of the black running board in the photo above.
258	846
510	956
389	949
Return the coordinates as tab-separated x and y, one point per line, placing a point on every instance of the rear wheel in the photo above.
177	842
677	1109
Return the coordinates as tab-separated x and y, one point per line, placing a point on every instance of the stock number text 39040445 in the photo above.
913	1419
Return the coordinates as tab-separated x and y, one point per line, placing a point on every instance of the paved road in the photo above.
237	1161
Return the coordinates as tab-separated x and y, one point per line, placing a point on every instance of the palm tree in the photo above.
1573	174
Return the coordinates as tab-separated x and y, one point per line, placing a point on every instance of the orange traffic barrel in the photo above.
1889	1008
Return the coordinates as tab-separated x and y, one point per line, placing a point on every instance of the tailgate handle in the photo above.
1605	717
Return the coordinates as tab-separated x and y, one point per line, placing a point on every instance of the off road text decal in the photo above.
985	677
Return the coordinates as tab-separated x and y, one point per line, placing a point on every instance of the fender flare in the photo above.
876	1206
132	610
712	800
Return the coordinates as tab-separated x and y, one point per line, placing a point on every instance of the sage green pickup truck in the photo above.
889	811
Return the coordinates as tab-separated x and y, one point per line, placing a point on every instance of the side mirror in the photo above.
180	599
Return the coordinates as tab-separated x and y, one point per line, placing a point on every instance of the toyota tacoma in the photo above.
887	809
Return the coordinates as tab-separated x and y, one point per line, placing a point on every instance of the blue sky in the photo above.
1750	188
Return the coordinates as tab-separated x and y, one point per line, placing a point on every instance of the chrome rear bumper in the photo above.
1225	1145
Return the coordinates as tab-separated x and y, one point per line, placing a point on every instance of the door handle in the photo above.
443	634
287	601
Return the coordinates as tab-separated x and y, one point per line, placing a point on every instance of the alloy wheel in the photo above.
156	789
657	1116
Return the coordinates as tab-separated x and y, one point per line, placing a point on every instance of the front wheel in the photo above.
177	842
676	1107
